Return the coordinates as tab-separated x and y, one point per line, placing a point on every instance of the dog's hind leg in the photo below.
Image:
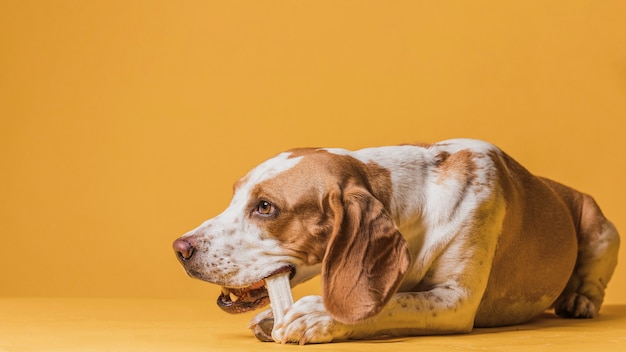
598	245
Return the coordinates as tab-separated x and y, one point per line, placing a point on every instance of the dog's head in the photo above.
307	211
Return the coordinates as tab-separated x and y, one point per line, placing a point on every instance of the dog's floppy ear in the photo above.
366	257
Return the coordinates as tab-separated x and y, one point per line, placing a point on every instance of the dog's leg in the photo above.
446	302
598	245
438	311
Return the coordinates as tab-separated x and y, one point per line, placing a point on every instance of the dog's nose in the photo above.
184	247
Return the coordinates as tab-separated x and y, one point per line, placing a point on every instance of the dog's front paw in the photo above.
308	322
262	325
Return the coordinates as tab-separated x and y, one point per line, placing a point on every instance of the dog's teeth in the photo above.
279	291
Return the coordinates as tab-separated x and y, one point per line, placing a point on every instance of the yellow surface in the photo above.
124	123
194	325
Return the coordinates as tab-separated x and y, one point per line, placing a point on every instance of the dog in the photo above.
409	240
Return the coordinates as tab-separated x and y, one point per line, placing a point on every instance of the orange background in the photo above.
125	123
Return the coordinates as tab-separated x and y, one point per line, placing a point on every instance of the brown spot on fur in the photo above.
459	165
440	158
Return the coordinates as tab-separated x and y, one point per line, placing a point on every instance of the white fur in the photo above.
234	242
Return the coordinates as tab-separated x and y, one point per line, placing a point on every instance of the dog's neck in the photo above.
412	168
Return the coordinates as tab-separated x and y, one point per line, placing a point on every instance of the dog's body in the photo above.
409	240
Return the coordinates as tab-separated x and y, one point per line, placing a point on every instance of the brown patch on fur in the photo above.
459	165
440	158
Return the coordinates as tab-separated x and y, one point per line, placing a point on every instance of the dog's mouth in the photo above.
244	299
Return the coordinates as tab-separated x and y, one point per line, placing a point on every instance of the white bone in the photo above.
279	290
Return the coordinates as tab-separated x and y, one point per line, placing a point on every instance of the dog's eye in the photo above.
265	208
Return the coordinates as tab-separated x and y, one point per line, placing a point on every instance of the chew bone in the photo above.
279	290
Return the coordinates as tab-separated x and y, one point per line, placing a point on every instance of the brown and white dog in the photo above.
409	240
